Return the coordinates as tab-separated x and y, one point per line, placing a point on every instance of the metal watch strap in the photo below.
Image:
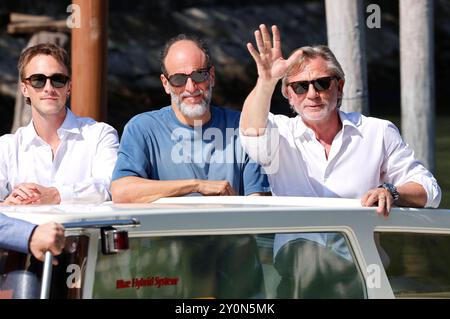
392	190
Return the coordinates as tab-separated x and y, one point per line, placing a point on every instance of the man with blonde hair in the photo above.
323	151
59	157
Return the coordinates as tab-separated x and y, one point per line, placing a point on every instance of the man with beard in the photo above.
323	152
320	149
191	147
188	147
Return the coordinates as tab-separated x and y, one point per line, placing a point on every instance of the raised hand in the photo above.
269	59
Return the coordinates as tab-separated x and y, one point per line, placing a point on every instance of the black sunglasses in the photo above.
180	79
57	80
320	84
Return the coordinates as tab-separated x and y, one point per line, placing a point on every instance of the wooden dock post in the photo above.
89	60
417	78
346	38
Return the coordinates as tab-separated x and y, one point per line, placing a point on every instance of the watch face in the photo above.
392	189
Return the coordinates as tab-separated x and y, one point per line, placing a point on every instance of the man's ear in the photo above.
341	87
165	83
212	76
285	92
24	89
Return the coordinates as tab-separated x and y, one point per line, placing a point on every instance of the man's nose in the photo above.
48	85
312	92
191	86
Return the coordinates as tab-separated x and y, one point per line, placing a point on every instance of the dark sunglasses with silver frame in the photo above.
57	80
320	84
180	79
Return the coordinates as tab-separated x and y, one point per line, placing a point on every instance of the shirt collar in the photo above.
300	128
349	121
69	126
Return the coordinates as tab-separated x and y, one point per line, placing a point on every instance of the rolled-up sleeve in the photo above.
133	157
264	148
401	167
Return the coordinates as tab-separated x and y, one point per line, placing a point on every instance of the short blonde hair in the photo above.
43	49
311	52
51	49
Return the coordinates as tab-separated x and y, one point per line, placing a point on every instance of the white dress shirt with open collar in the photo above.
365	153
81	168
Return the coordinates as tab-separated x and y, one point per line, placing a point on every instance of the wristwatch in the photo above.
392	189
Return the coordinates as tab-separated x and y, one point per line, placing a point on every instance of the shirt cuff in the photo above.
18	237
65	193
256	189
432	189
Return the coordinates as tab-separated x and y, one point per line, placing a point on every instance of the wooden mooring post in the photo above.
417	78
89	59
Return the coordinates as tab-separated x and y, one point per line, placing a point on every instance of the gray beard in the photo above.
307	117
192	110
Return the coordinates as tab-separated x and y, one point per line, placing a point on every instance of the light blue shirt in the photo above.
15	233
156	145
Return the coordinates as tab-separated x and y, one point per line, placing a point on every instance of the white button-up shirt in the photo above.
365	153
81	168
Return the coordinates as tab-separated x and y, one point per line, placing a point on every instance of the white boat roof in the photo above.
72	212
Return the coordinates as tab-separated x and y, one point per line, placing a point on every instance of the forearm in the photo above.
132	189
256	108
411	195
